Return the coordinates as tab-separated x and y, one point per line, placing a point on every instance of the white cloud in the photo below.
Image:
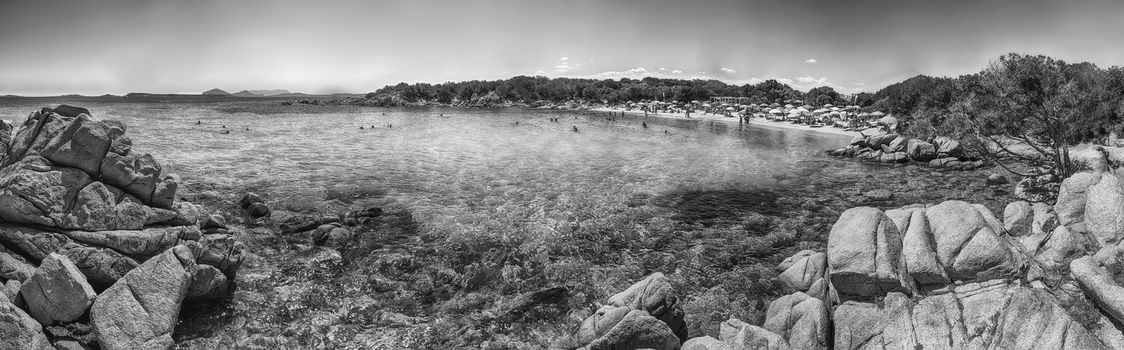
728	70
676	71
662	69
810	60
859	84
564	65
812	80
756	80
785	81
635	72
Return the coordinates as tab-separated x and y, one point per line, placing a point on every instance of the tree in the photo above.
1036	101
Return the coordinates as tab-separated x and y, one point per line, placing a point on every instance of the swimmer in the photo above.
360	127
644	124
575	129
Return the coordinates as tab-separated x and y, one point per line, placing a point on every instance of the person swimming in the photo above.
575	129
516	123
644	124
199	122
360	127
665	131
390	125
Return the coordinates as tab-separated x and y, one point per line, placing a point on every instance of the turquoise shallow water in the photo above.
447	159
468	166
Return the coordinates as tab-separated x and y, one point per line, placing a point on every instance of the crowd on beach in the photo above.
851	118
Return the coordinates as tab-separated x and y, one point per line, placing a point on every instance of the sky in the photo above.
52	47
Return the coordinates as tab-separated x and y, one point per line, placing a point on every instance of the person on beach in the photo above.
644	124
575	129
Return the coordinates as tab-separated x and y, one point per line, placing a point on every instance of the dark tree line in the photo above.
529	89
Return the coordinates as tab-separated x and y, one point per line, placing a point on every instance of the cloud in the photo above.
859	84
728	70
785	81
812	80
676	71
564	65
756	80
635	72
810	60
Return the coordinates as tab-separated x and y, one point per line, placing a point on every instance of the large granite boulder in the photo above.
968	242
988	315
18	331
1104	209
621	327
636	330
57	292
654	295
801	320
804	272
75	172
94	215
14	266
142	308
864	253
739	335
1072	198
1099	286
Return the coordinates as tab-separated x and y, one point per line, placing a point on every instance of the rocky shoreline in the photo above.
877	145
95	250
947	276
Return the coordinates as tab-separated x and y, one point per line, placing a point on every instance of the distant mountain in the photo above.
215	92
270	92
245	93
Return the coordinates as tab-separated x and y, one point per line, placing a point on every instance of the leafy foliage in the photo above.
529	89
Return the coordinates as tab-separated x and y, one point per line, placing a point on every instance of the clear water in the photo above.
441	158
477	171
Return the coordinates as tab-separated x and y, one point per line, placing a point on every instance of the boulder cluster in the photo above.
92	237
884	147
950	275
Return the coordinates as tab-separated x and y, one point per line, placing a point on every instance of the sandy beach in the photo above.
762	122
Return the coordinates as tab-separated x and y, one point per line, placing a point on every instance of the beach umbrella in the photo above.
864	115
775	111
788	106
828	106
877	114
